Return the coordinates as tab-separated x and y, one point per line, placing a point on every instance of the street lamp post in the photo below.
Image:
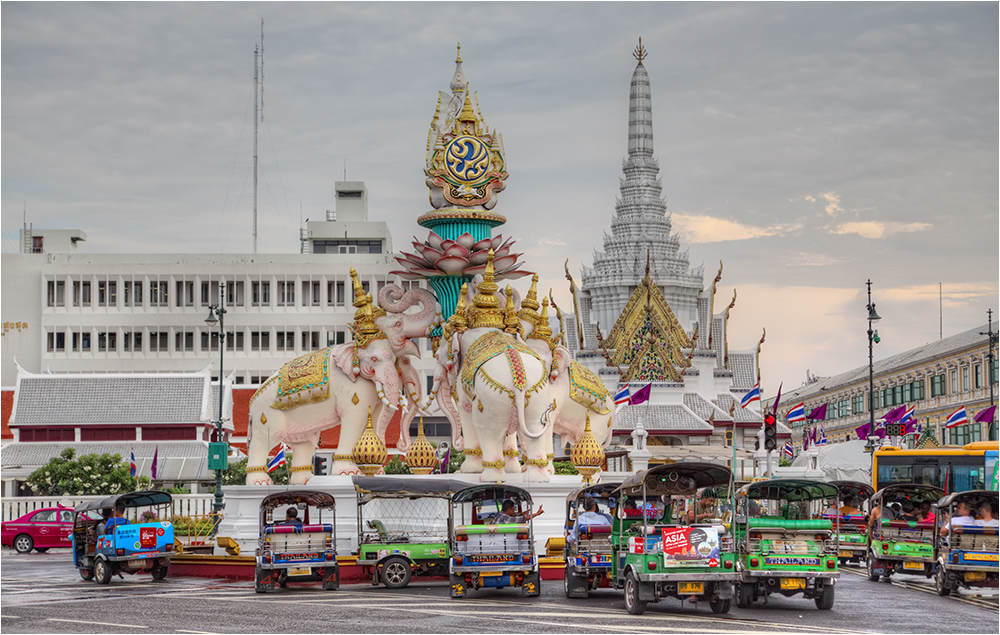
992	428
873	317
220	311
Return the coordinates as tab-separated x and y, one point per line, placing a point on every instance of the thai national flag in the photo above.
132	469
798	413
789	451
277	461
957	418
822	437
750	397
622	396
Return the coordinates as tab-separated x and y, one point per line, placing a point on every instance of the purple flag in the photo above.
985	415
818	413
641	395
864	431
777	399
156	453
895	414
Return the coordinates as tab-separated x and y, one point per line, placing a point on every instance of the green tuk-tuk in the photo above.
898	541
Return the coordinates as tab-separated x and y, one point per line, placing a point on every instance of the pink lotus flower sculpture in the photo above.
464	256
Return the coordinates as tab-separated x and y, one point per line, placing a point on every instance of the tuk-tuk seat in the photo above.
503	528
594	529
301	529
818	524
907	524
973	529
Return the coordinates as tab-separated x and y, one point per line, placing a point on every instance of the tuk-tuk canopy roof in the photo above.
854	489
296	496
132	499
601	490
974	498
682	478
908	491
491	492
789	489
372	487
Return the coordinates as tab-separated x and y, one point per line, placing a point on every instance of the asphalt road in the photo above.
42	593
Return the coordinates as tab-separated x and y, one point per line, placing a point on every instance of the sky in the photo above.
809	147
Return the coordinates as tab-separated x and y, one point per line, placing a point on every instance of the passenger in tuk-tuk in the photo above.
508	511
118	519
849	508
292	518
924	513
908	512
101	527
705	508
962	518
988	519
589	516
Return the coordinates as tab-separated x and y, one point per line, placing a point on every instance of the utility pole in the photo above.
993	336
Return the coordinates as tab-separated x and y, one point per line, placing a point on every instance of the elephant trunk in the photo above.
546	421
389	393
393	300
447	405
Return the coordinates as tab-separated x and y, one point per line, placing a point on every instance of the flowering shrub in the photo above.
148	517
90	474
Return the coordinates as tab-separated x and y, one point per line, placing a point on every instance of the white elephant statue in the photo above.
339	385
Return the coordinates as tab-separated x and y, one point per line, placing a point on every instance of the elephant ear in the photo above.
561	359
343	356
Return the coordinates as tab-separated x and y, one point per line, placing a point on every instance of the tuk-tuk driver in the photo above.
292	517
118	519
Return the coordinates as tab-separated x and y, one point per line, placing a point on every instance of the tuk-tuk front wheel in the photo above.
633	604
825	601
719	605
941	582
396	572
744	595
102	571
159	571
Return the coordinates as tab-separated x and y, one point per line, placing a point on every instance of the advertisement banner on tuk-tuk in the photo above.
685	544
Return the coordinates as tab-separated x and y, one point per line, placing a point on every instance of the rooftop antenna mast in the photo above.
258	114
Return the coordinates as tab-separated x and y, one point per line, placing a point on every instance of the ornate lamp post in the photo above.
994	336
873	317
220	464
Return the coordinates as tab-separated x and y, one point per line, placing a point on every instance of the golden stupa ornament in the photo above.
486	311
421	457
529	305
587	455
511	321
369	453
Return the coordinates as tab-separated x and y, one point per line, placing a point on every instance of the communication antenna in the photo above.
940	313
262	69
345	169
256	85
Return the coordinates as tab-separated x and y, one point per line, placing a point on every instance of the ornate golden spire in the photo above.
486	313
587	454
364	329
369	452
529	305
459	321
542	330
467	115
458	58
639	53
511	322
421	457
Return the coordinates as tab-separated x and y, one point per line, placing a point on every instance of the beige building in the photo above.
936	379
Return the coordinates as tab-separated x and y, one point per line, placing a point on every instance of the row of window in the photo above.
973	377
159	341
338	293
151	433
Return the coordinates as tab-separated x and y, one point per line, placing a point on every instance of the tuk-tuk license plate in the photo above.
972	576
690	588
300	571
846	554
919	566
793	583
489	573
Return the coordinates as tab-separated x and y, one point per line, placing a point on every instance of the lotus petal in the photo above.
476	270
501	264
452	264
495	241
434	240
457	250
407	275
427	272
511	274
483	245
500	253
432	255
446	243
466	240
417	260
479	257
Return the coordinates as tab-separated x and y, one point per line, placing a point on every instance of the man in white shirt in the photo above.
961	518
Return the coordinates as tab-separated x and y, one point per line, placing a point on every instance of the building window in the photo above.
168	433
310	340
285	340
107	342
56	341
47	434
858	404
184	341
81	293
107	434
286	294
234	294
310	293
965	378
158	342
132	342
954	382
132	293
57	293
234	341
261	293
918	390
260	340
907	392
107	293
158	294
81	341
185	293
977	372
334	337
967	433
346	246
937	385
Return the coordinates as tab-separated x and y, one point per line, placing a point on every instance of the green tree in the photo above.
396	466
784	462
564	467
90	474
455	461
236	473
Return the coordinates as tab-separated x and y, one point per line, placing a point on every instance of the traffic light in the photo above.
319	465
770	432
895	429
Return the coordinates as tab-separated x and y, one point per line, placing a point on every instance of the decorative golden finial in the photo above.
369	452
587	454
511	322
421	457
711	304
639	53
458	58
559	316
576	303
459	321
486	312
467	114
529	305
763	333
542	330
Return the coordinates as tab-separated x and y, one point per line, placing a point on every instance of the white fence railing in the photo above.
183	504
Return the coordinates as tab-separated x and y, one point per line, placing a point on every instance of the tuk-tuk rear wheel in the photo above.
720	605
941	582
396	572
102	571
825	601
87	574
633	604
744	595
159	572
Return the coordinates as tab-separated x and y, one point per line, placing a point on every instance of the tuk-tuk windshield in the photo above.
634	508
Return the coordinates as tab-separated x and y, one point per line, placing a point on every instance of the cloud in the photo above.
832	203
879	229
701	228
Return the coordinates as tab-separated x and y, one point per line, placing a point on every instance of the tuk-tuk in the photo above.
966	554
403	527
781	548
127	533
655	555
853	532
588	544
486	553
897	541
299	544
